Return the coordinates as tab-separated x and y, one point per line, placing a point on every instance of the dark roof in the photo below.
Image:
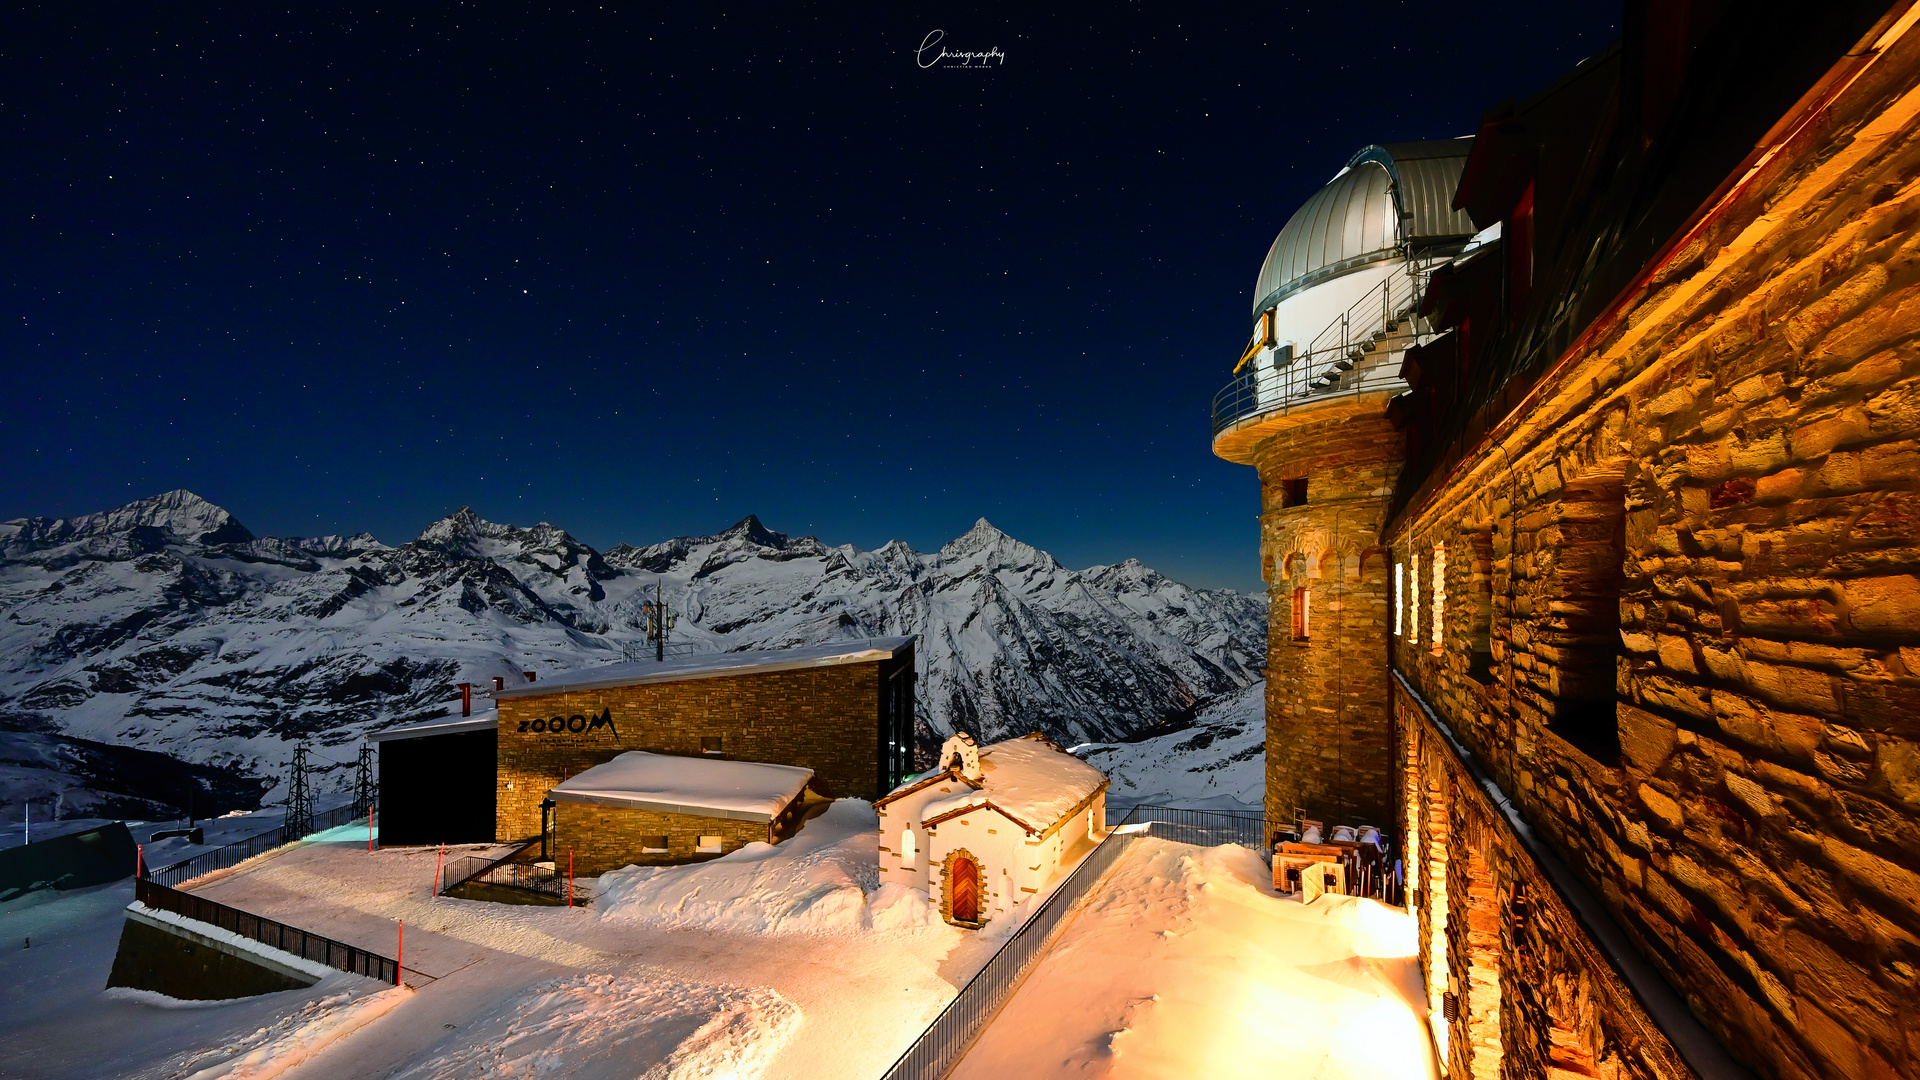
454	725
714	666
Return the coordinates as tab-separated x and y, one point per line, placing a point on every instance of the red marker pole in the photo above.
139	860
400	954
437	864
569	877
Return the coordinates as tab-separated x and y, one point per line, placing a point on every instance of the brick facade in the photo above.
1327	733
826	719
603	838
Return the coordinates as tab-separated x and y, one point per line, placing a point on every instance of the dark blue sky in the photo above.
642	274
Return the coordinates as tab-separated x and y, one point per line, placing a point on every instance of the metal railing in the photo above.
941	1045
278	935
241	850
512	870
1346	357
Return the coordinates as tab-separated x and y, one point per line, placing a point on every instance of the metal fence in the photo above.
292	939
937	1048
511	870
241	850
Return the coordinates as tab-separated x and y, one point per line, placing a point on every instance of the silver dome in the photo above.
1385	195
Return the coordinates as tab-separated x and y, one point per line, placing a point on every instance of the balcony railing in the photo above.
1348	357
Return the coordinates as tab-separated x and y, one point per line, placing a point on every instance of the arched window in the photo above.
907	846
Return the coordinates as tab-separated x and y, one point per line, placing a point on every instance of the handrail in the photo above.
278	935
1326	366
474	866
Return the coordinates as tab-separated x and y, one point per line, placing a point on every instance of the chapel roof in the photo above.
1029	779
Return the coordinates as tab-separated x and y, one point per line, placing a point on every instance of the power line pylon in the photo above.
299	796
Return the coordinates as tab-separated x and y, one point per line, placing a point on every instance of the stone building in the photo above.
656	809
845	711
1627	604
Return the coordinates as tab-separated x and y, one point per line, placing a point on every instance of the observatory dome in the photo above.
1385	197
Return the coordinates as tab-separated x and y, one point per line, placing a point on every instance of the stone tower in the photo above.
1335	311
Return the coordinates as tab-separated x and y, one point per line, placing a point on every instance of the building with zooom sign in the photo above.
840	714
1587	451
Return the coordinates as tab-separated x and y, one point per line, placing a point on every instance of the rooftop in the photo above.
703	787
1028	779
715	665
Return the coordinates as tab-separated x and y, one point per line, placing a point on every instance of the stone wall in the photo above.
1533	995
603	838
826	719
1702	596
1327	746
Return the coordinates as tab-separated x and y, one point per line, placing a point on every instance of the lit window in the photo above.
709	845
1399	597
1413	601
908	847
653	845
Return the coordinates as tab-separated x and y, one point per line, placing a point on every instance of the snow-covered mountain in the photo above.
167	625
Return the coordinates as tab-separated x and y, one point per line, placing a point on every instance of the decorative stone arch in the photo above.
1376	557
979	884
1290	565
1312	558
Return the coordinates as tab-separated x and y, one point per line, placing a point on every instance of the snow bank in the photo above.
271	1051
602	1026
817	882
1186	963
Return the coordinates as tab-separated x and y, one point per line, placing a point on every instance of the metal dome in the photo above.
1349	222
1386	194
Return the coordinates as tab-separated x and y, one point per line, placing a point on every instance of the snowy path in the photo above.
1185	963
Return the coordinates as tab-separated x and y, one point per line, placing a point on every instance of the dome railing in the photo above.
1348	357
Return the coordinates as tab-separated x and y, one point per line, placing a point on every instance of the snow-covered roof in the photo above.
713	666
1028	779
454	725
703	787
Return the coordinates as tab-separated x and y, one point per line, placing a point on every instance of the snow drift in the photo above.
817	882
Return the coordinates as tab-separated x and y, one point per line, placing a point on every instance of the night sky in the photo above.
640	274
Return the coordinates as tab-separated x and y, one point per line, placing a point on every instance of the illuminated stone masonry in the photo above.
1700	592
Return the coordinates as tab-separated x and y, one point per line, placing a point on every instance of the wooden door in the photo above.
963	887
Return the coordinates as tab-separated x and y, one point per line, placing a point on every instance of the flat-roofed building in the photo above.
648	809
843	711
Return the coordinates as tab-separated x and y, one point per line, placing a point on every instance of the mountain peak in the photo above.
752	531
179	515
996	548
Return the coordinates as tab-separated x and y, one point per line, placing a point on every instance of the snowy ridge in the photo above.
166	624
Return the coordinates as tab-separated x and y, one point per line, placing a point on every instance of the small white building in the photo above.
993	826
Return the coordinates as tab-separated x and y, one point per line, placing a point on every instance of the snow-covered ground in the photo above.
823	881
774	962
1217	764
1185	963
